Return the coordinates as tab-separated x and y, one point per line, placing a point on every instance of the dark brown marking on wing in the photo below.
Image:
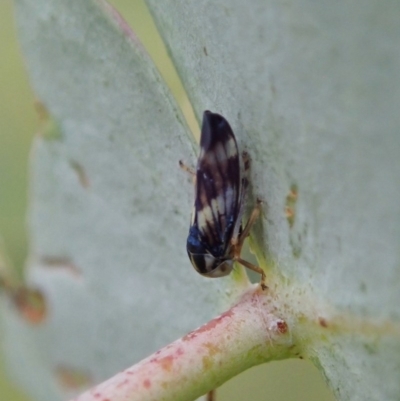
217	182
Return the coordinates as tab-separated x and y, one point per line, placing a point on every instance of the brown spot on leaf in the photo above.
73	379
322	322
290	205
54	262
48	127
41	110
81	173
30	303
147	383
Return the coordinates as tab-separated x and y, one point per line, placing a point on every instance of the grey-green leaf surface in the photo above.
312	90
109	206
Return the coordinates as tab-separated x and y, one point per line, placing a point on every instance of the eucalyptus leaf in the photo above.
109	206
313	91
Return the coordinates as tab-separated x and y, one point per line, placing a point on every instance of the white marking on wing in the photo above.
214	208
209	262
220	153
221	204
231	148
203	216
230	196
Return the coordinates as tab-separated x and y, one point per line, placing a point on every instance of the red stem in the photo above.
246	335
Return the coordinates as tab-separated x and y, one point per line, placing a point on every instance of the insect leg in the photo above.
243	193
256	269
253	218
186	168
189	170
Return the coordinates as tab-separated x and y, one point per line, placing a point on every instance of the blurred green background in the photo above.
288	380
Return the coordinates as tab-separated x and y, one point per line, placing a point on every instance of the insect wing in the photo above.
217	185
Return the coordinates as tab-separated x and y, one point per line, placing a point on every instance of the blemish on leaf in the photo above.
290	205
49	128
30	303
205	51
322	322
72	378
41	111
54	262
147	383
81	173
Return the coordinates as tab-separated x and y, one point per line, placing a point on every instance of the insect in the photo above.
216	235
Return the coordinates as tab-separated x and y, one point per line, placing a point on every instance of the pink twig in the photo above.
248	334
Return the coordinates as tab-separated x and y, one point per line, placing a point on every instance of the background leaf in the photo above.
109	209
